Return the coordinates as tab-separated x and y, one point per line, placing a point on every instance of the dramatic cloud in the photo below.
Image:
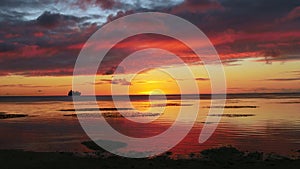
44	38
45	46
251	27
51	20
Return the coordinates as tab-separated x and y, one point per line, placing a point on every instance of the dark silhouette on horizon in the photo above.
74	93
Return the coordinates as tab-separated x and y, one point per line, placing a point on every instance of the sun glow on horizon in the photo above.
247	76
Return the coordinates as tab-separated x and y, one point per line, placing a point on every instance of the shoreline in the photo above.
223	157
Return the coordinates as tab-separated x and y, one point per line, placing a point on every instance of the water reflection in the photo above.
253	124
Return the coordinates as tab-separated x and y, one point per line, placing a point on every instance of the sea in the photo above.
262	122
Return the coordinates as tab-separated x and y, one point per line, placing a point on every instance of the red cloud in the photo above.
29	52
38	34
10	35
53	40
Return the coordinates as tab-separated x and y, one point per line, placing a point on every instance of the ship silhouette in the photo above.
74	93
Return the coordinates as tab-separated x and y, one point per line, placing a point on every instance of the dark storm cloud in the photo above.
247	15
252	26
268	28
24	4
49	43
11	10
51	20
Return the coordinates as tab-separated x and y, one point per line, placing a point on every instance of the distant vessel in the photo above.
74	93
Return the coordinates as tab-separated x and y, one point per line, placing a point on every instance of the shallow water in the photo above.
259	123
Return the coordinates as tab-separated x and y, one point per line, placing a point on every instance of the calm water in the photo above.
257	122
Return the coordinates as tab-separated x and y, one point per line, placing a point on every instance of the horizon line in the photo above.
151	95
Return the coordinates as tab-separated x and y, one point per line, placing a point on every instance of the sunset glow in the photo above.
149	84
38	51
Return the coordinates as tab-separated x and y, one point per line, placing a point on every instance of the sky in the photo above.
258	43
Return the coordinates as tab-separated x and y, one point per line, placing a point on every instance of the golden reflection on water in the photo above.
272	126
